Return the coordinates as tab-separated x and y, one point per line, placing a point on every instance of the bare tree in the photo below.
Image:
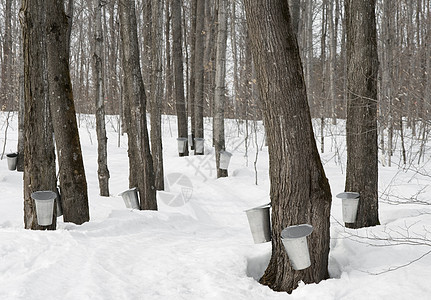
220	89
177	54
156	93
199	70
73	182
6	88
300	191
141	174
98	69
361	126
39	155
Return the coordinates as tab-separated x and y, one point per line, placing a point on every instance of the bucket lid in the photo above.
267	205
43	195
129	190
296	231
225	153
181	139
348	195
199	139
14	154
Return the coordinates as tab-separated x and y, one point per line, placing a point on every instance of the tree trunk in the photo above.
332	61
157	93
177	53
21	117
39	155
361	125
168	70
73	183
102	147
300	191
6	95
199	70
141	173
192	83
220	89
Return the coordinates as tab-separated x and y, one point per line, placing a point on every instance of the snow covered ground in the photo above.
198	244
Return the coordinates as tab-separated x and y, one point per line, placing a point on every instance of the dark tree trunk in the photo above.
21	116
168	107
192	83
39	155
73	183
300	191
140	160
361	126
177	53
156	93
102	140
199	70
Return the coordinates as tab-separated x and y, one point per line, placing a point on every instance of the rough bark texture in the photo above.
156	93
102	140
300	191
192	83
220	89
361	127
39	155
73	183
177	53
6	88
199	70
21	116
141	173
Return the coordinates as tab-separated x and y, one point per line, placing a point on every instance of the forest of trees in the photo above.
368	62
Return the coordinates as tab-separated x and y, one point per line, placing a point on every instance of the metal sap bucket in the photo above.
294	239
12	160
182	144
130	198
259	222
44	201
224	159
350	201
199	145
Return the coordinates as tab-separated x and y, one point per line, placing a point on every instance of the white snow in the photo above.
200	246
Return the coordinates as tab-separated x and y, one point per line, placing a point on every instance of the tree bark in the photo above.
6	95
73	182
39	155
192	83
220	89
180	102
361	125
102	140
199	71
300	191
156	93
141	174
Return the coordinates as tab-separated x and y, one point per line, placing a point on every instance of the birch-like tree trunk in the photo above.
98	69
141	174
220	89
